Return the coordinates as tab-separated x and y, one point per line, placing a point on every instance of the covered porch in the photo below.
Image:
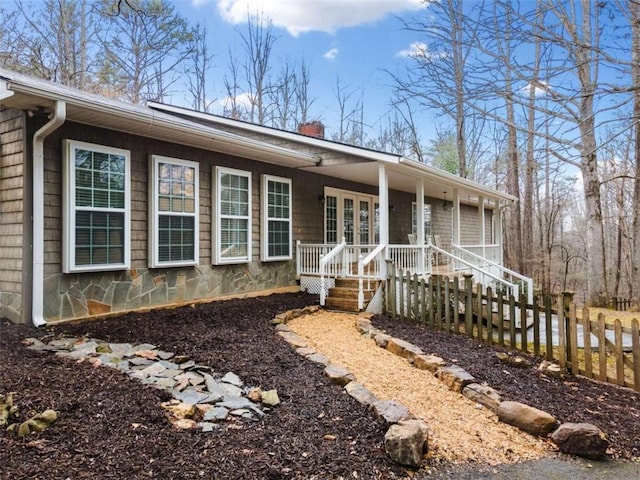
366	233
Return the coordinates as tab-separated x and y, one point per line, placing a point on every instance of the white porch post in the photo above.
456	217
383	200
420	224
482	229
498	231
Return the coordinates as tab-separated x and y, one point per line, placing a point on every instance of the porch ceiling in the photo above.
405	179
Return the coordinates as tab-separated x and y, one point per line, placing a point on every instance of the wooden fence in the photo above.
620	304
596	348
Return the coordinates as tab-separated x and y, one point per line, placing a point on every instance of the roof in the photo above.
211	132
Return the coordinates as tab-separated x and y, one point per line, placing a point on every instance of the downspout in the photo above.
37	298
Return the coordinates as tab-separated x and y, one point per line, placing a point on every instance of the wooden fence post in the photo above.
456	304
567	300
548	327
468	313
536	326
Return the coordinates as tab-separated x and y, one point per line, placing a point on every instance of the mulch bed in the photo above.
571	399
111	426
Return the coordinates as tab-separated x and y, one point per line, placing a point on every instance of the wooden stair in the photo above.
344	296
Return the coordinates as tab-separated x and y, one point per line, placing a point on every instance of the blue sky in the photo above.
354	40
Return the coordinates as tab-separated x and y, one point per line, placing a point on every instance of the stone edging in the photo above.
406	438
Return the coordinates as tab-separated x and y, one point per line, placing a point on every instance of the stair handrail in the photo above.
362	262
524	279
324	260
515	288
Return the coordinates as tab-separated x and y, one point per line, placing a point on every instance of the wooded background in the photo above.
530	96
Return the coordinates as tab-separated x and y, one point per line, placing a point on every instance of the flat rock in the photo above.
403	349
121	350
513	360
364	325
216	413
305	351
483	394
162	355
581	439
232	379
283	327
153	370
163	382
526	418
406	442
234	403
180	410
184	424
293	339
62	343
428	362
140	361
360	393
455	377
190	396
144	346
207	427
390	411
338	375
550	369
318	358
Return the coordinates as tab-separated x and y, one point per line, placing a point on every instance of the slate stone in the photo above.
82	350
234	403
190	396
296	341
169	373
216	413
240	412
186	365
171	365
428	362
403	349
319	358
162	355
232	379
305	351
166	383
229	389
281	327
207	427
35	344
144	346
121	350
62	343
382	339
140	361
153	370
137	374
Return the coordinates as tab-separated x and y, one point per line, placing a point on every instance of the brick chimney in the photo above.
312	129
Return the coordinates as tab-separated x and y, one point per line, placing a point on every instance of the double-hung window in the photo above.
276	218
96	199
173	225
232	216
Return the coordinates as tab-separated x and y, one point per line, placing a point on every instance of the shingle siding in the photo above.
12	212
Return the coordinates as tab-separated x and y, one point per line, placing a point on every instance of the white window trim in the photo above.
154	212
414	220
264	220
69	208
215	234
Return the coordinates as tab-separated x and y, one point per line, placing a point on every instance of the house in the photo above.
111	207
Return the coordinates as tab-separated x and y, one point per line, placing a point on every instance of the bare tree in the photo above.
197	72
144	42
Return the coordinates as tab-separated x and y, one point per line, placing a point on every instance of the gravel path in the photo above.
460	432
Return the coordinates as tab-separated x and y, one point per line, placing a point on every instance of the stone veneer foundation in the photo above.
72	296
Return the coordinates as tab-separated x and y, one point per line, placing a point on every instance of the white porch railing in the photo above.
496	268
492	252
369	267
366	263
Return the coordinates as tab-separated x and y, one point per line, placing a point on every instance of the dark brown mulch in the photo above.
571	399
112	427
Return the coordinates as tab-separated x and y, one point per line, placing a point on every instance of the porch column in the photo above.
383	200
420	212
456	217
497	213
420	224
481	220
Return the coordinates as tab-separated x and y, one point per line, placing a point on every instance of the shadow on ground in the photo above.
558	468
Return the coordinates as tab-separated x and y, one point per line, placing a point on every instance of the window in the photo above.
96	208
276	218
331	219
426	218
173	226
232	223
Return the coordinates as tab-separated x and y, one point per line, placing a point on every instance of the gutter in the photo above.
37	299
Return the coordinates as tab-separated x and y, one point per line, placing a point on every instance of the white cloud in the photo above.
541	88
416	49
302	16
243	102
331	54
